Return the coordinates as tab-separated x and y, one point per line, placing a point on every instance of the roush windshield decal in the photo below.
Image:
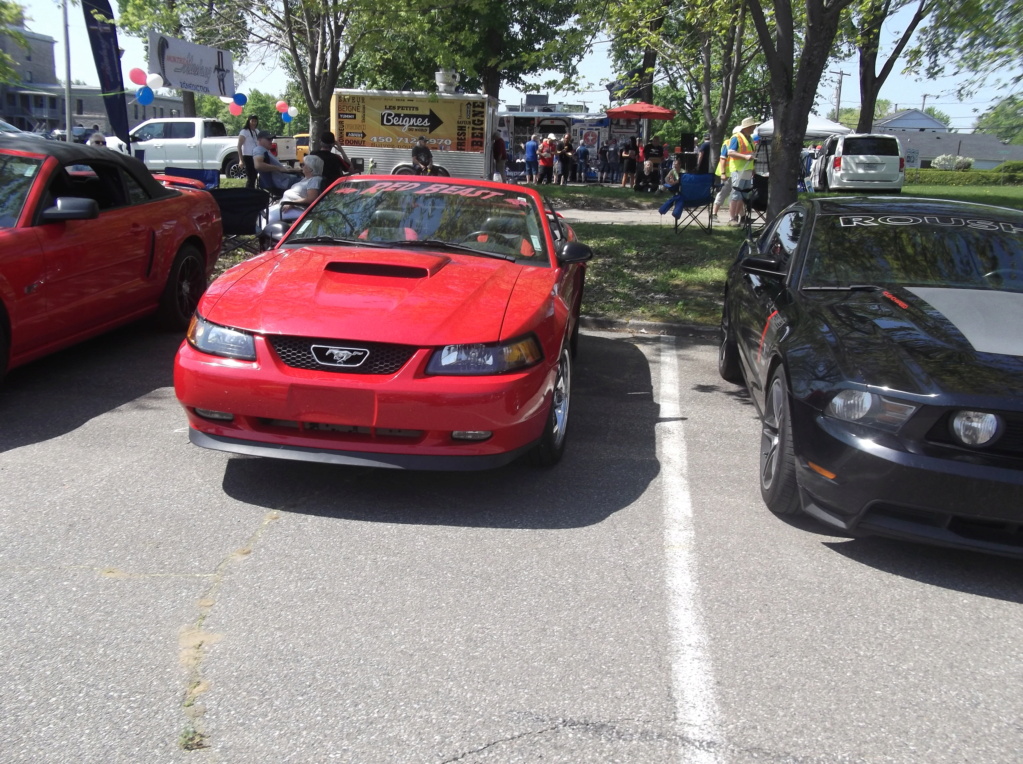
847	221
989	320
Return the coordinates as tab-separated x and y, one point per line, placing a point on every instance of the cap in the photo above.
552	137
264	134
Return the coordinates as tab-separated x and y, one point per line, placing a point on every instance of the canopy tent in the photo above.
640	110
816	127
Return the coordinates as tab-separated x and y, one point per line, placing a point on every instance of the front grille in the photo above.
1009	443
382	358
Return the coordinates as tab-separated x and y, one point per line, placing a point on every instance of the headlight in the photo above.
498	358
219	340
870	409
975	428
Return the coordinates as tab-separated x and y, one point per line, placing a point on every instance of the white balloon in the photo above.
227	99
293	111
154	80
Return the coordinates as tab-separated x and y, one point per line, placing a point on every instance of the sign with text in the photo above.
913	158
397	121
188	66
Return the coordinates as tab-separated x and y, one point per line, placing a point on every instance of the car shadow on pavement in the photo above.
976	573
609	462
59	393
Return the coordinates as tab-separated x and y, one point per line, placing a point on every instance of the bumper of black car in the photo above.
891	492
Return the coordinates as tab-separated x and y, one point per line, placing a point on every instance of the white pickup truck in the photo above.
191	143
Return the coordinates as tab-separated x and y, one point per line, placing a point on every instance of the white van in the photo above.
860	162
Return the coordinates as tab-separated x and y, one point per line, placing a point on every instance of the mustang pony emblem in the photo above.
327	355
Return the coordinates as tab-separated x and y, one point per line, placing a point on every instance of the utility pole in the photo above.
838	93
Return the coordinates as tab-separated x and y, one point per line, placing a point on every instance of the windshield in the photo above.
402	211
16	174
909	250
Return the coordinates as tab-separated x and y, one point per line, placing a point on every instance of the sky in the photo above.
903	90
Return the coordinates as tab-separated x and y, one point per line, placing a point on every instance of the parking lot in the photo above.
637	603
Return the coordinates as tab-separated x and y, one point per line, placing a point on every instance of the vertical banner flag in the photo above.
103	38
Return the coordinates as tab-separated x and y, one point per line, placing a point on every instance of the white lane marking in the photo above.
696	711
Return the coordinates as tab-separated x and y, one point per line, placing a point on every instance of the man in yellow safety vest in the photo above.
740	166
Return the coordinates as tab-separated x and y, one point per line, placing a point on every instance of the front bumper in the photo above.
884	490
403	420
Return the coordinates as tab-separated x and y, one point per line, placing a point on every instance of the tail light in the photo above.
273	148
836	163
902	164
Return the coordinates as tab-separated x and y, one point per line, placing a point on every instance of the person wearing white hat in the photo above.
740	166
546	159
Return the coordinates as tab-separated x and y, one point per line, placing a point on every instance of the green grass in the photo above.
651	273
1001	196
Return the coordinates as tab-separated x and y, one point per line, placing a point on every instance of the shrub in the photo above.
1011	166
972	178
951	162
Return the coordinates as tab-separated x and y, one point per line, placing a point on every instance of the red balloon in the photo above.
235	109
138	76
282	106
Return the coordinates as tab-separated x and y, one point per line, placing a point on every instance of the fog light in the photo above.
975	428
471	434
221	416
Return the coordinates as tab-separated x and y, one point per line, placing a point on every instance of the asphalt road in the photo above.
637	603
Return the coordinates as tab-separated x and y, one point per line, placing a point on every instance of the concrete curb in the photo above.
648	327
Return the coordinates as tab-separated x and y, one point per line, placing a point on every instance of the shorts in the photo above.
740	185
532	167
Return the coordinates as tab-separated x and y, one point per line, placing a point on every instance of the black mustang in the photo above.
882	343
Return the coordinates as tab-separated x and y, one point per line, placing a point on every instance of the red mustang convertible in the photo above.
408	323
88	241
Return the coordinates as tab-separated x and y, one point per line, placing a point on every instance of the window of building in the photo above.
53	103
39	102
28	76
11	99
79	106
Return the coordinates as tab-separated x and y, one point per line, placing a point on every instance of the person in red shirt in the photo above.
500	153
545	156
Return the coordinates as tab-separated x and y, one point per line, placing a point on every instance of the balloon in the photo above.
241	99
293	111
154	80
282	106
226	99
144	95
235	109
137	76
286	117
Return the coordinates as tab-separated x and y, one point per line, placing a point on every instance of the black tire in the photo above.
406	170
777	460
551	447
233	168
728	351
185	284
440	172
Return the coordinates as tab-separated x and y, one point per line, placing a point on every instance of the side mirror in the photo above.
574	252
274	232
70	208
763	265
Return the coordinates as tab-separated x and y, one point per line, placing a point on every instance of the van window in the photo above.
871	144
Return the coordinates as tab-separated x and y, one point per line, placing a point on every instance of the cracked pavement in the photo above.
165	603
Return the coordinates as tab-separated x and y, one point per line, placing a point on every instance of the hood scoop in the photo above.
391	265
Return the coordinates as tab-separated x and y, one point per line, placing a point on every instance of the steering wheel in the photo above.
474	237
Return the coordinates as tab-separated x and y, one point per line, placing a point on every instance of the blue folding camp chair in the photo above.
209	178
695	195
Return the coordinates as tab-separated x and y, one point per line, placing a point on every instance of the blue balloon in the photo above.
241	99
286	117
144	95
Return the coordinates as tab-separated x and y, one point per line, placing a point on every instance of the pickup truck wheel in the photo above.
232	168
185	284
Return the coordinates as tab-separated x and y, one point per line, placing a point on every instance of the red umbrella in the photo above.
640	110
